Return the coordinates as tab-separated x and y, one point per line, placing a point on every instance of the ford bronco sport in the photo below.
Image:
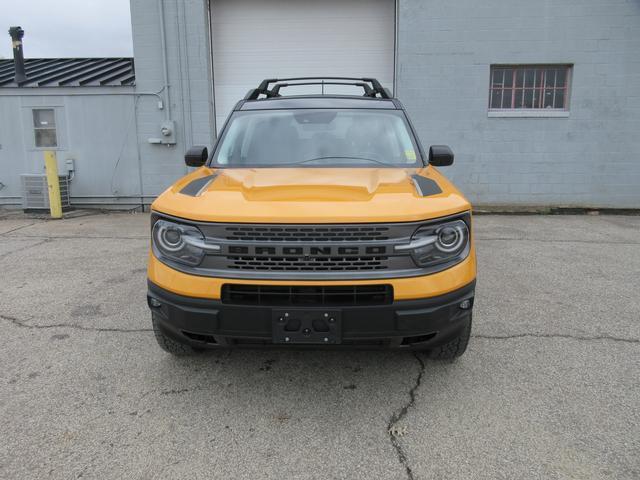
317	220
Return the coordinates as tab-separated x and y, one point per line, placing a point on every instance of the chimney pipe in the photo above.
18	58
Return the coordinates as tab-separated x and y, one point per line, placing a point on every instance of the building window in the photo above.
44	127
529	87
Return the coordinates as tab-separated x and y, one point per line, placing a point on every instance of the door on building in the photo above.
257	39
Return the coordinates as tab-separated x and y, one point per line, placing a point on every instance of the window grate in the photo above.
338	295
529	87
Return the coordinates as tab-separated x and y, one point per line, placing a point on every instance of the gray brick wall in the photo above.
591	158
445	49
187	44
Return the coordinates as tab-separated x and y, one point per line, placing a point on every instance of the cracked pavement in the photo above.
549	388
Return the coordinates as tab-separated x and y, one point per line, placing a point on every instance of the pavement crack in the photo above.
400	414
18	228
22	324
22	249
559	335
178	391
167	466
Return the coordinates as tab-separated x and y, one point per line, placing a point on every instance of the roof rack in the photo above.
372	87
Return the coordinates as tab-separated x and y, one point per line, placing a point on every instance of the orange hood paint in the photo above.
311	195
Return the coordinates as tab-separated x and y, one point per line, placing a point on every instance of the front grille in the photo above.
311	233
339	295
308	251
316	264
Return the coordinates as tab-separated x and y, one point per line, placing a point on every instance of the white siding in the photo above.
97	131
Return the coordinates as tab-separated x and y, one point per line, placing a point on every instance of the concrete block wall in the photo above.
591	158
444	53
189	78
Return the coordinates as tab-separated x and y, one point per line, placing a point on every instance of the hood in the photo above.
310	195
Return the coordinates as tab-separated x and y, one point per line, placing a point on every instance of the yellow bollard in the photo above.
51	167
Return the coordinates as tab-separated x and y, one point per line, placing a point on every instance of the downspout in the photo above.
212	103
396	33
139	158
165	67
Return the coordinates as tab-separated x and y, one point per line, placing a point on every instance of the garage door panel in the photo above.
231	72
257	39
256	11
280	35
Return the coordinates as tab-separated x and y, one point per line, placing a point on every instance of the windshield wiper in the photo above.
308	160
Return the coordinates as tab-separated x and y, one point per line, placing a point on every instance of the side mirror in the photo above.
440	155
196	156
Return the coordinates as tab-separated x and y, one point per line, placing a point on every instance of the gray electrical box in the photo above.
168	132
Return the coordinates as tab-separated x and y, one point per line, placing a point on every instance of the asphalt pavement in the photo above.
549	388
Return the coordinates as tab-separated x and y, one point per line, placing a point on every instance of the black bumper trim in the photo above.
435	320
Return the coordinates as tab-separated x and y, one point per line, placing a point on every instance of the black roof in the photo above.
71	72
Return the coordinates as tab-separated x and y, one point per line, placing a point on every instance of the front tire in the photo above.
168	344
454	348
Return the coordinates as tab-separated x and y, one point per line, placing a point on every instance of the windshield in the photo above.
318	137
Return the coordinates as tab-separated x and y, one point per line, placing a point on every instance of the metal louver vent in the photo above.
35	194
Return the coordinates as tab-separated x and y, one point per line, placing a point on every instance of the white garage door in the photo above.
257	39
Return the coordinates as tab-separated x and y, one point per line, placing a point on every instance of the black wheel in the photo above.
169	344
454	348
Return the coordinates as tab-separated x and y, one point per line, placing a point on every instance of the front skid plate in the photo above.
306	326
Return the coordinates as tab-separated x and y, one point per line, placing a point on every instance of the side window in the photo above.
529	87
44	128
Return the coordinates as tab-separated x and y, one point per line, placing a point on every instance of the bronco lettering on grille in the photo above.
306	251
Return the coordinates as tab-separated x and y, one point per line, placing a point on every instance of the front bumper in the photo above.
207	323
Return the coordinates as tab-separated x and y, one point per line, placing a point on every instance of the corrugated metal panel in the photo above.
71	72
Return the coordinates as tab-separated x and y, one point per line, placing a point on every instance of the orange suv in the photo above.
317	220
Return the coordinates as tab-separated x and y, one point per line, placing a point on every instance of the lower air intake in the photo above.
309	296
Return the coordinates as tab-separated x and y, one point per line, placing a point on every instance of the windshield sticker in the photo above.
410	154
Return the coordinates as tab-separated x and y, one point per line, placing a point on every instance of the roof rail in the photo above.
371	86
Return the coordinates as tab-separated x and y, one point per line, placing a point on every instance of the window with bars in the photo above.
529	87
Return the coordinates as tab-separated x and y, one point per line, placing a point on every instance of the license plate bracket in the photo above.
306	326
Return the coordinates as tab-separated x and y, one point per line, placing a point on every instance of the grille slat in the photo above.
333	264
308	296
307	234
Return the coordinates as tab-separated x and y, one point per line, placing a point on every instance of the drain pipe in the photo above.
165	67
18	57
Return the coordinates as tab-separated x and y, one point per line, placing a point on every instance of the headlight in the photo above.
180	243
439	243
